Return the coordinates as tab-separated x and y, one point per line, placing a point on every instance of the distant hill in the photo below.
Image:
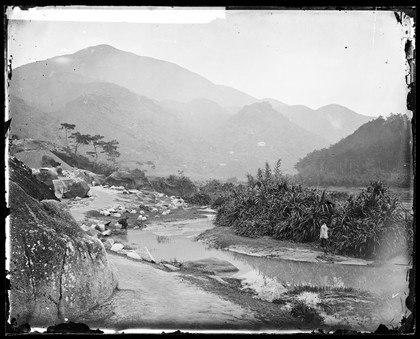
275	103
165	114
153	78
379	149
333	122
257	134
30	122
200	116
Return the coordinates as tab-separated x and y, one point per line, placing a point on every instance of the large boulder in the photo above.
75	188
135	179
22	175
211	265
174	186
92	178
46	175
57	271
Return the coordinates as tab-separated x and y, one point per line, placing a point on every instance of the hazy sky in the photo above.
313	58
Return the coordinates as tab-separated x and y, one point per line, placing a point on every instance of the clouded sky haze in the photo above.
313	58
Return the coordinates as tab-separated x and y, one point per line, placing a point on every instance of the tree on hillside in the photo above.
110	149
96	143
67	127
80	139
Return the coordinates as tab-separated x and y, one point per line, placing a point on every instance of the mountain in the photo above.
201	116
379	149
153	78
161	113
145	131
30	122
274	102
258	133
333	122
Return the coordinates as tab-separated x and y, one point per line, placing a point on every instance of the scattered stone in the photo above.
171	267
93	232
106	233
136	227
133	254
100	227
145	254
117	247
212	265
219	279
85	228
77	198
108	243
116	215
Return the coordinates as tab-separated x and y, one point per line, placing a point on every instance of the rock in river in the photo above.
212	265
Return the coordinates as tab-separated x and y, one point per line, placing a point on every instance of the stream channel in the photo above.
269	278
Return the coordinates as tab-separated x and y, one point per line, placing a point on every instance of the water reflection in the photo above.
268	277
383	280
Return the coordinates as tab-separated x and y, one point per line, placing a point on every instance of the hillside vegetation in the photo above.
379	149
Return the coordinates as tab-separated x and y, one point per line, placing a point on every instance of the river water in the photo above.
269	278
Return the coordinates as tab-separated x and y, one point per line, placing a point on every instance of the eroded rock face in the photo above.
46	175
57	272
22	175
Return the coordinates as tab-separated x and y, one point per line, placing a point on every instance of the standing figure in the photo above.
323	235
123	222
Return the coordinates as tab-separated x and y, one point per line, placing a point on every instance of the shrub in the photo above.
370	224
306	313
199	198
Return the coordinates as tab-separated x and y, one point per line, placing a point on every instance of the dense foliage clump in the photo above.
306	313
369	224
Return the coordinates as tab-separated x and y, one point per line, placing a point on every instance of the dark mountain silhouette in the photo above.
379	149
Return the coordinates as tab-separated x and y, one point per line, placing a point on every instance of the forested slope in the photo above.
379	149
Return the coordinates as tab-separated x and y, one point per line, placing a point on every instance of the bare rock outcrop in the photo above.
56	271
22	175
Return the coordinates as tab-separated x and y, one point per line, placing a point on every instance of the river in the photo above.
271	278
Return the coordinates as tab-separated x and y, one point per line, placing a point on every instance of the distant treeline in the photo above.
378	150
